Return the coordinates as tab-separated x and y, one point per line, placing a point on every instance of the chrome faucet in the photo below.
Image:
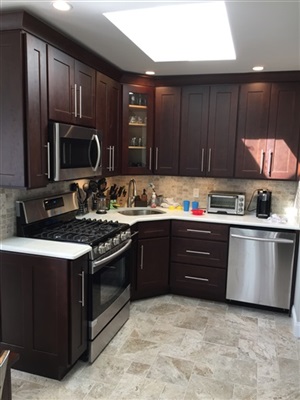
131	192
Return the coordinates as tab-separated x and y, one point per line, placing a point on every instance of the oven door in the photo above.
109	289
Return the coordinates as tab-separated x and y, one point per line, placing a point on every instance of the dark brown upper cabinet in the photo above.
137	149
108	113
71	89
208	130
268	131
167	131
24	122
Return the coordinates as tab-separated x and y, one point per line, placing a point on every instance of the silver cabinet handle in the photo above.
270	162
202	160
75	100
150	158
109	158
198	231
48	160
194	278
82	289
209	160
262	161
80	101
113	158
142	256
205	253
156	158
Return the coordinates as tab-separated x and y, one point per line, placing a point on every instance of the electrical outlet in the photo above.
195	192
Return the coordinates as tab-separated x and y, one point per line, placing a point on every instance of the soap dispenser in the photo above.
153	199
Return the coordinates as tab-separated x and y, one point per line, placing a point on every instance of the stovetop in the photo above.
85	231
53	218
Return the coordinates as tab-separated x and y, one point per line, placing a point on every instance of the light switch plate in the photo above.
195	192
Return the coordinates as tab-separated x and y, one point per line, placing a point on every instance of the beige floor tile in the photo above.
179	348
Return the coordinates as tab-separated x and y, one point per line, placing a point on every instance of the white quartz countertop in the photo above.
249	220
49	248
72	251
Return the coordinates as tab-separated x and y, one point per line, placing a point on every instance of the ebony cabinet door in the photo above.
150	259
222	130
208	130
34	309
108	97
61	86
167	130
85	80
72	87
24	120
283	132
153	266
194	130
268	131
42	315
252	130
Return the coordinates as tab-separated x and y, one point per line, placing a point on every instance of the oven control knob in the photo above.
117	240
108	244
101	248
123	236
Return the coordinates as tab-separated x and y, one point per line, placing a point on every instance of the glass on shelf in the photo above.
137	99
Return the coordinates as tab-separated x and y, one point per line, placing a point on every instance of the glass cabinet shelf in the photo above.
138	129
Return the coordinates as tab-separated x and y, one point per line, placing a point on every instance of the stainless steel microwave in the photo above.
226	203
74	152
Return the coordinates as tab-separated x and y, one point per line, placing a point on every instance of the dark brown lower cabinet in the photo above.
43	315
150	262
199	259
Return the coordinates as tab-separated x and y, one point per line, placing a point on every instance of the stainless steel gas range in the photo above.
54	218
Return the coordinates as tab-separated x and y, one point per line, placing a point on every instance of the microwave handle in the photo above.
95	137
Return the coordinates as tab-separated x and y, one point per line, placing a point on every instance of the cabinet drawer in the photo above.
198	281
199	252
200	230
153	229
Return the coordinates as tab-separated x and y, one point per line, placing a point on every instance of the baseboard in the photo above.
296	323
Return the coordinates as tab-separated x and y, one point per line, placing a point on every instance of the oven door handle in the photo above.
96	265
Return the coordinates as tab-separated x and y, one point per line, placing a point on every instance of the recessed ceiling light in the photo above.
62	5
150	73
183	32
258	68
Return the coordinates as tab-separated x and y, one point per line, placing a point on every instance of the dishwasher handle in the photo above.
286	241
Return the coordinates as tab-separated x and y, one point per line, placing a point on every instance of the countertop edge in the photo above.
72	251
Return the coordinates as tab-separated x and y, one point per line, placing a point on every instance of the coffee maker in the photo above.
263	207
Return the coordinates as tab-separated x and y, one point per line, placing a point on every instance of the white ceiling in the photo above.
264	33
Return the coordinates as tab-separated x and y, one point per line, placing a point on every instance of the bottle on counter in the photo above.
144	196
153	200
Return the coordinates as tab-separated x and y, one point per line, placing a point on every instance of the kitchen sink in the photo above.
143	211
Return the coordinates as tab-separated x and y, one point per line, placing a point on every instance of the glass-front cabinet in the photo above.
137	129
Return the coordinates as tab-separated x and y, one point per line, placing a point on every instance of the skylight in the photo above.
183	32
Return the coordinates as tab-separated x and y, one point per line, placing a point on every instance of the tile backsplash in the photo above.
178	188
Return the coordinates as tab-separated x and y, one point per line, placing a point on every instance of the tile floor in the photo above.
178	348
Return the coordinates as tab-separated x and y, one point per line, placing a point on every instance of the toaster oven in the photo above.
226	203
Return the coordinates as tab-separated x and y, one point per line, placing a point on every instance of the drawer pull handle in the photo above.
197	230
142	256
206	253
194	278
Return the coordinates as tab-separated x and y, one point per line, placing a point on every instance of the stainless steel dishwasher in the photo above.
260	267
